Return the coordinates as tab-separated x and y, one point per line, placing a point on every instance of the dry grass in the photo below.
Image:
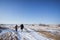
49	35
7	36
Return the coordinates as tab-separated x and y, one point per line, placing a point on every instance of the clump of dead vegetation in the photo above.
33	25
59	25
43	25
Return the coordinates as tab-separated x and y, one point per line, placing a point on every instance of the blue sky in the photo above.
30	11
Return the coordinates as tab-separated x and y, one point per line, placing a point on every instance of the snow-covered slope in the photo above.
26	34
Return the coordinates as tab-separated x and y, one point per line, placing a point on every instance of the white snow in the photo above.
26	34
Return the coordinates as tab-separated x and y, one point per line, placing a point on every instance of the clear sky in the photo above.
30	11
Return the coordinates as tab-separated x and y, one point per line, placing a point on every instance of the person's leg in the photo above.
16	28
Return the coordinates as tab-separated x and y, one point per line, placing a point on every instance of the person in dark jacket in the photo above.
16	27
22	27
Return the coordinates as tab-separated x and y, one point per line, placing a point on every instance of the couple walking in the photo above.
21	27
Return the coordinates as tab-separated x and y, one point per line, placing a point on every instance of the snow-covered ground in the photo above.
29	32
26	34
